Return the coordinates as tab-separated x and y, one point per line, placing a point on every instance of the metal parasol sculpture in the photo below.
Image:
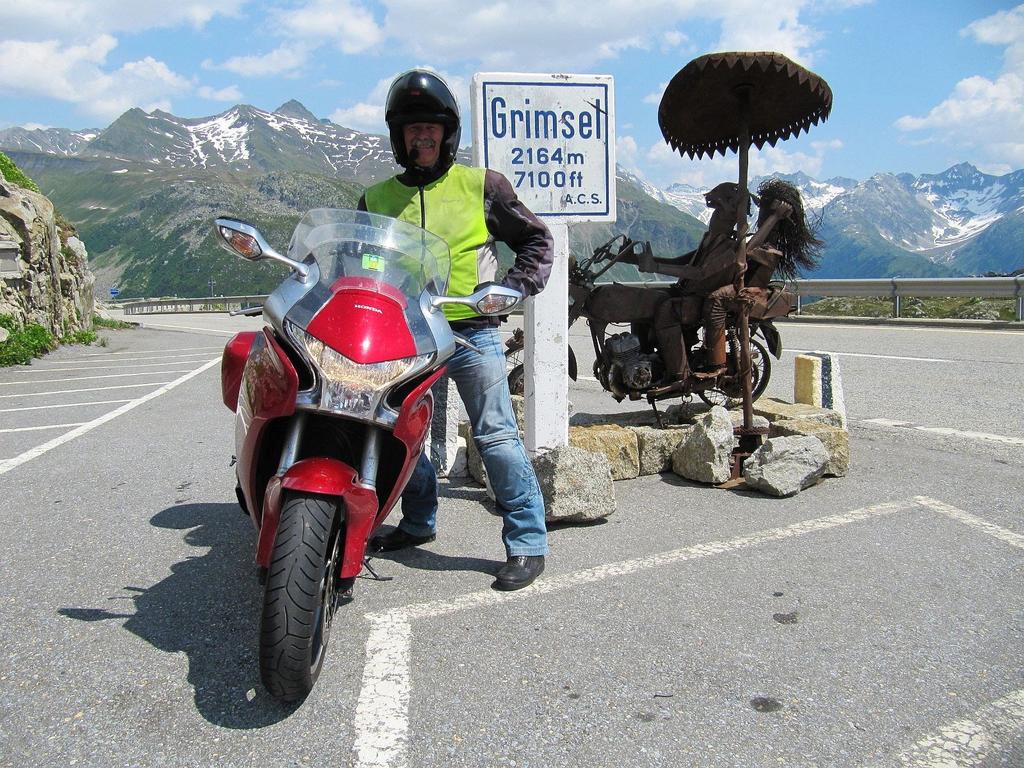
723	102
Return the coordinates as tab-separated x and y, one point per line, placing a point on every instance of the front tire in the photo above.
301	595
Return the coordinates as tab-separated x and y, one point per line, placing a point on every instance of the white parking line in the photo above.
89	389
97	365
966	743
189	328
152	351
382	712
9	464
48	426
61	405
90	378
1004	535
984	436
879	357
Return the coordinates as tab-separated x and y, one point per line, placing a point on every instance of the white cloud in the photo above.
351	28
230	93
514	36
36	127
73	19
362	117
982	115
75	74
626	151
655	96
283	60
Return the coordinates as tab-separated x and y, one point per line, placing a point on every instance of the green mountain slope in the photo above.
148	230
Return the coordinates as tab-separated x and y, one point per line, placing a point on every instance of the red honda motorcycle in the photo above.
333	406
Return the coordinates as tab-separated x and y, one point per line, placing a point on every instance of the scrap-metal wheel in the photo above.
760	373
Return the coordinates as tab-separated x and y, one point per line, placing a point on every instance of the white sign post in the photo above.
553	137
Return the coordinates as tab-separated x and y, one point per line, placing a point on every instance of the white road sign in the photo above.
553	136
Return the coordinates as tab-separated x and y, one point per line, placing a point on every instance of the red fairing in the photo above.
269	385
328	477
363	325
231	366
369	284
411	429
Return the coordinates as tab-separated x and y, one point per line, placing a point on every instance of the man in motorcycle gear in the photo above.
471	208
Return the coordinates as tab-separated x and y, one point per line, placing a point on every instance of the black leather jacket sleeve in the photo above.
511	222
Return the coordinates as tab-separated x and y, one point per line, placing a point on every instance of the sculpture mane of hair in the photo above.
794	236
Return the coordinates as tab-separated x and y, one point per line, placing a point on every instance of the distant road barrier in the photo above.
898	288
895	288
206	304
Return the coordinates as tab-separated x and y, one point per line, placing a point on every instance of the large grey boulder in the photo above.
835	440
576	484
784	466
704	456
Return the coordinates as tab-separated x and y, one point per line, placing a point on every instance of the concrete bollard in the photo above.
817	381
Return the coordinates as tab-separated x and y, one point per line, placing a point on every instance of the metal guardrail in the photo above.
204	304
898	288
895	288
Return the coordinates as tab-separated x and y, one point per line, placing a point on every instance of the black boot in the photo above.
518	572
397	539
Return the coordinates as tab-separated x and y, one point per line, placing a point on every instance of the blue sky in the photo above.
918	86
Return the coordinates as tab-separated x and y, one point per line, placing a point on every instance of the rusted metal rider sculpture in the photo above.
725	102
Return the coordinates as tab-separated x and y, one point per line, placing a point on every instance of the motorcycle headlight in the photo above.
348	386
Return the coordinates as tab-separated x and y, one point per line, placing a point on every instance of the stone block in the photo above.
817	381
617	443
835	440
774	409
576	484
784	466
737	419
655	447
704	455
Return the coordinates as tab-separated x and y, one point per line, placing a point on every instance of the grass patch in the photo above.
32	340
24	343
929	308
114	325
15	175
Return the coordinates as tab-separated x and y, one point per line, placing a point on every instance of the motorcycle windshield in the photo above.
372	252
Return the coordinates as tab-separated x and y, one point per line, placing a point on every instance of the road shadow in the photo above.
426	560
209	609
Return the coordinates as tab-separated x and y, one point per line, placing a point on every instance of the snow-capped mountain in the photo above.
961	221
53	141
816	194
241	138
936	216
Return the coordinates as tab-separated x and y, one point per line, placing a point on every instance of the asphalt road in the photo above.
873	620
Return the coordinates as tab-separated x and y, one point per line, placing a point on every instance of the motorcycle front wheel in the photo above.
760	373
301	595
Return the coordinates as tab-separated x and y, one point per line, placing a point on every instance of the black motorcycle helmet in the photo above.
418	96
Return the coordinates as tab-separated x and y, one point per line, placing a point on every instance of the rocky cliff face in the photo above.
44	272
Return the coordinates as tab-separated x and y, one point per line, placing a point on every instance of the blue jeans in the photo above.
481	382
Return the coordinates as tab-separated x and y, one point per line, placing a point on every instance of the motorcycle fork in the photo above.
292	442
